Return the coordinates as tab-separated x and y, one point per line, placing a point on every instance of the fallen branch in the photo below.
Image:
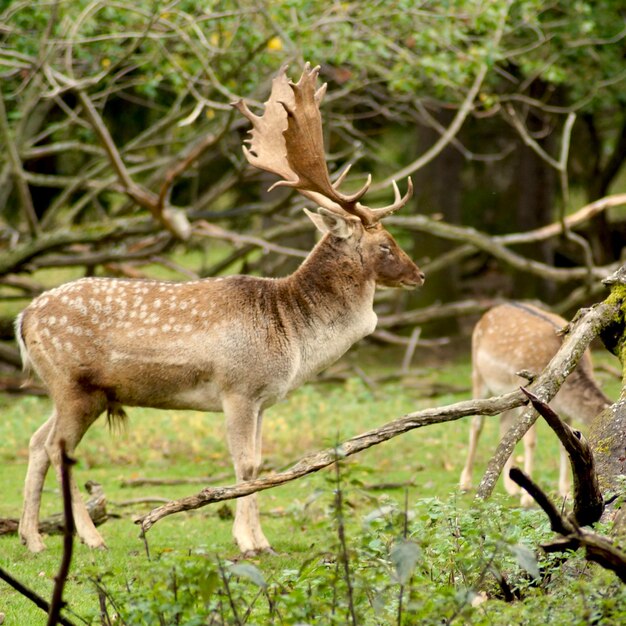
598	549
319	460
54	525
588	501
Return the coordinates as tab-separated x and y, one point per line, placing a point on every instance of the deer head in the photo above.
287	140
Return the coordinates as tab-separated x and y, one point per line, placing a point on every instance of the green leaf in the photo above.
249	571
207	584
404	555
526	559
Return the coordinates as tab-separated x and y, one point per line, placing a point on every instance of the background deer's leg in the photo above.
479	390
75	414
38	464
506	421
476	428
243	425
565	480
530	443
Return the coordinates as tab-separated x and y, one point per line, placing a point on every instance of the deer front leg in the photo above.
243	425
38	464
476	427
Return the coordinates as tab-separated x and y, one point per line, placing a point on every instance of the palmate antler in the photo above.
287	140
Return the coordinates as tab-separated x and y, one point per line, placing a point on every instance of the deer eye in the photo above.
385	248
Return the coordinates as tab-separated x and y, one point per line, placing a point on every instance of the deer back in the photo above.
517	336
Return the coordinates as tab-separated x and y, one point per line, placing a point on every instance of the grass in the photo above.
179	444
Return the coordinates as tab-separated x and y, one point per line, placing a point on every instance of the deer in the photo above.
235	344
512	339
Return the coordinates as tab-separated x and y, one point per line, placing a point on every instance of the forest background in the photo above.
122	153
121	156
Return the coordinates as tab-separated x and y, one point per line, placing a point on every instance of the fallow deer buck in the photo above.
236	344
511	338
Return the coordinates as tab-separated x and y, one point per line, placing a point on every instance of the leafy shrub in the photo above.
437	562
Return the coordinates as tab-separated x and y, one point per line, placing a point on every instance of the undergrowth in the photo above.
433	562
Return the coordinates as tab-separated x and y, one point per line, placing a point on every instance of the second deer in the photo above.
508	339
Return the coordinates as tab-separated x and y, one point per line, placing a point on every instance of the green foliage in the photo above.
448	560
446	569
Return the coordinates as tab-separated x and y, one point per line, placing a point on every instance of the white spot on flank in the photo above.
165	328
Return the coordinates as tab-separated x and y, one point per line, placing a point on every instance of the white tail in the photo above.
235	344
514	337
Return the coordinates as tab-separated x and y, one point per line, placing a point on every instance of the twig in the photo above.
56	604
29	594
341	532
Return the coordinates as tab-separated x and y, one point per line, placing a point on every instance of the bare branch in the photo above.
319	460
18	172
588	501
598	549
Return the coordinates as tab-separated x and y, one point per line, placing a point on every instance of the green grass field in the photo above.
296	516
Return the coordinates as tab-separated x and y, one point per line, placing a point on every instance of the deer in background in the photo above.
511	338
236	344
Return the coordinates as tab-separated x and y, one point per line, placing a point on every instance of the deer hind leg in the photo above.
476	427
74	416
530	444
507	419
38	464
243	425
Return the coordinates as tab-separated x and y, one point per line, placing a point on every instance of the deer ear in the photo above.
341	226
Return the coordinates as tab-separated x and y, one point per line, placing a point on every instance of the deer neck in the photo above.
331	284
330	304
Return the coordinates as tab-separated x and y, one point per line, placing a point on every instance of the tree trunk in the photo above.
607	434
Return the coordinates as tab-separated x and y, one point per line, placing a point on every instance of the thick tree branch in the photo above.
588	500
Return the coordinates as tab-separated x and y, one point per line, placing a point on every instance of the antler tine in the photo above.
398	202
